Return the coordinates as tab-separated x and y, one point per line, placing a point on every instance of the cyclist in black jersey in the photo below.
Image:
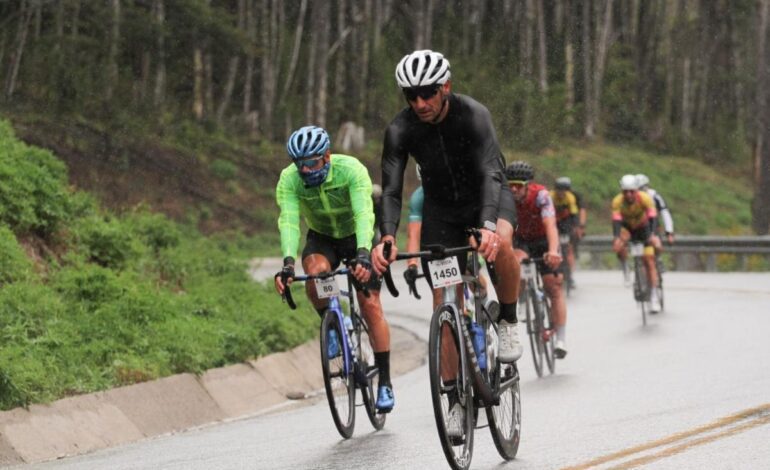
452	138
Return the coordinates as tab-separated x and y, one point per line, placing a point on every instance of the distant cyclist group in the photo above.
464	185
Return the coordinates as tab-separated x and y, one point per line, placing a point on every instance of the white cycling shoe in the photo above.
654	301
455	422
510	348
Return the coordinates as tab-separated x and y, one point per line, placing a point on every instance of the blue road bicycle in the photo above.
348	365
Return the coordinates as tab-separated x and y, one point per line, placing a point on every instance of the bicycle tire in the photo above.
659	264
458	453
548	336
534	328
340	386
368	371
641	288
504	417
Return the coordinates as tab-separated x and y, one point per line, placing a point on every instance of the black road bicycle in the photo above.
455	374
353	367
537	308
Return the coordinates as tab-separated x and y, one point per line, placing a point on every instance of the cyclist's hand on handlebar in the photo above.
617	244
285	276
362	266
552	259
379	262
489	246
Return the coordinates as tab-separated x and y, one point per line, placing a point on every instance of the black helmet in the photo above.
563	183
519	171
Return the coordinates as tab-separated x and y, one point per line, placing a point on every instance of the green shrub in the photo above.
14	263
223	169
33	192
106	241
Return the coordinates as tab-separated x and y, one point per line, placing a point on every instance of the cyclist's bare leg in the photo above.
553	289
449	357
507	265
371	308
315	264
652	270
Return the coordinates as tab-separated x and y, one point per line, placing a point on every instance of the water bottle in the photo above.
477	335
349	326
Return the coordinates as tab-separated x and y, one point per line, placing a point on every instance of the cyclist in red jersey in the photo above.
538	237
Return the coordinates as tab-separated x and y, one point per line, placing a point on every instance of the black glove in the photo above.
364	259
287	272
410	276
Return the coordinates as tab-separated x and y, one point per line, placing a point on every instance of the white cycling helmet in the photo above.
642	180
422	68
628	182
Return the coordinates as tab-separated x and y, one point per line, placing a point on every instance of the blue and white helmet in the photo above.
422	68
308	141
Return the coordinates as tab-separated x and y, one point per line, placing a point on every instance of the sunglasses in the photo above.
516	183
424	92
309	162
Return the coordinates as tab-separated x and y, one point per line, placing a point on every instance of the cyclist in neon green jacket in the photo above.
333	194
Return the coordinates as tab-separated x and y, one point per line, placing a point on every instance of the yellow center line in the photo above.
758	413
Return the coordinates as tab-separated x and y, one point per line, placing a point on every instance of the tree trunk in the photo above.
267	91
542	54
112	56
75	29
159	92
363	71
25	16
198	76
479	12
761	202
310	82
295	50
227	92
323	18
248	76
602	47
587	50
569	62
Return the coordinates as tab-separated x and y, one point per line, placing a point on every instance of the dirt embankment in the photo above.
124	172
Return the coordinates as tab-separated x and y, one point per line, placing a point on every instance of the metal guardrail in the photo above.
691	252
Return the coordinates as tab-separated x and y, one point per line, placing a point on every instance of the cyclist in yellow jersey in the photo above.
333	193
568	217
634	211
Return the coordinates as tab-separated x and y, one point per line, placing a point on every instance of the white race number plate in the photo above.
445	272
637	249
326	288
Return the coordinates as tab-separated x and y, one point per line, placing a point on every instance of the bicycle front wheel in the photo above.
641	287
367	372
504	417
338	379
548	336
450	389
534	329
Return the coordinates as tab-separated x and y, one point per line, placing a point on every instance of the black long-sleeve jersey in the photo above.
460	160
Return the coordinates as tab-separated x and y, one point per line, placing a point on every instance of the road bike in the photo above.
537	308
641	281
456	375
353	367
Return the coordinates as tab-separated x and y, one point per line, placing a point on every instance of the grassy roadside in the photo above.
91	300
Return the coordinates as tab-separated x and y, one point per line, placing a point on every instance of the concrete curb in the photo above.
95	421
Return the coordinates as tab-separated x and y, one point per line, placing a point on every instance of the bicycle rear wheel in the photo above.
450	384
339	383
534	329
367	372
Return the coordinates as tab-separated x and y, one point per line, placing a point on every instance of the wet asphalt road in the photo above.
668	395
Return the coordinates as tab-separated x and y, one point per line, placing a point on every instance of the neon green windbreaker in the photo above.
341	206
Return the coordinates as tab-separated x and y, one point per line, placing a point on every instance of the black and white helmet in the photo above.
422	68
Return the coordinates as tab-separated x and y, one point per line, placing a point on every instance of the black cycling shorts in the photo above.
442	225
537	249
641	235
335	250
